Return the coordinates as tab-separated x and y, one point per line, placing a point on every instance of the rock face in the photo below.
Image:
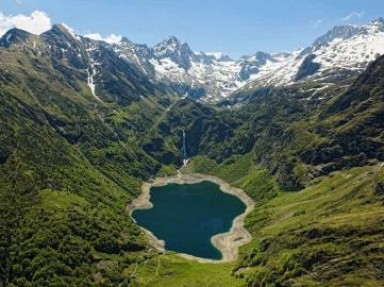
307	68
338	32
250	65
342	52
124	73
15	36
174	50
379	189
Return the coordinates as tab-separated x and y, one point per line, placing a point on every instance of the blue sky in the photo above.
236	27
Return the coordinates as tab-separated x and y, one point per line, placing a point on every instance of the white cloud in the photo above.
352	15
39	22
111	39
317	23
36	23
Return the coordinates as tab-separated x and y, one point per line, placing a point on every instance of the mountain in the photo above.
203	76
311	136
342	53
338	32
15	36
66	151
83	123
188	73
329	149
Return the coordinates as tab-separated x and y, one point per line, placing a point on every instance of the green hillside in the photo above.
71	163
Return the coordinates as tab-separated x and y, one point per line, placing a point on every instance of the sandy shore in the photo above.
229	242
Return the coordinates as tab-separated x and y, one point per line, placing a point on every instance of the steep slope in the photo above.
310	138
343	52
172	67
200	75
354	121
329	233
69	162
82	127
60	215
194	74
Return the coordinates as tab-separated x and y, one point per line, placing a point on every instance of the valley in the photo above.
85	123
226	234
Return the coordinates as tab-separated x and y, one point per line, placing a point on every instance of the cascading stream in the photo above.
184	151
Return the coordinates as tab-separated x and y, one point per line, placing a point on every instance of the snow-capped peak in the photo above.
173	40
376	26
378	21
338	32
171	45
342	52
71	31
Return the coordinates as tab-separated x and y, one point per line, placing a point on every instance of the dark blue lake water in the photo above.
186	216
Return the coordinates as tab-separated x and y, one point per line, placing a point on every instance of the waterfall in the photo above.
184	151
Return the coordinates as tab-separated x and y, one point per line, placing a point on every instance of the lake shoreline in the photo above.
228	243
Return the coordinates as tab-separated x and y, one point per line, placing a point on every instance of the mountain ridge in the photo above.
81	129
342	52
277	69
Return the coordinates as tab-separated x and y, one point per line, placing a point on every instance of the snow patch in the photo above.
72	32
91	74
216	55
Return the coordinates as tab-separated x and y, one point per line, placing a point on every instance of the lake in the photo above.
186	216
